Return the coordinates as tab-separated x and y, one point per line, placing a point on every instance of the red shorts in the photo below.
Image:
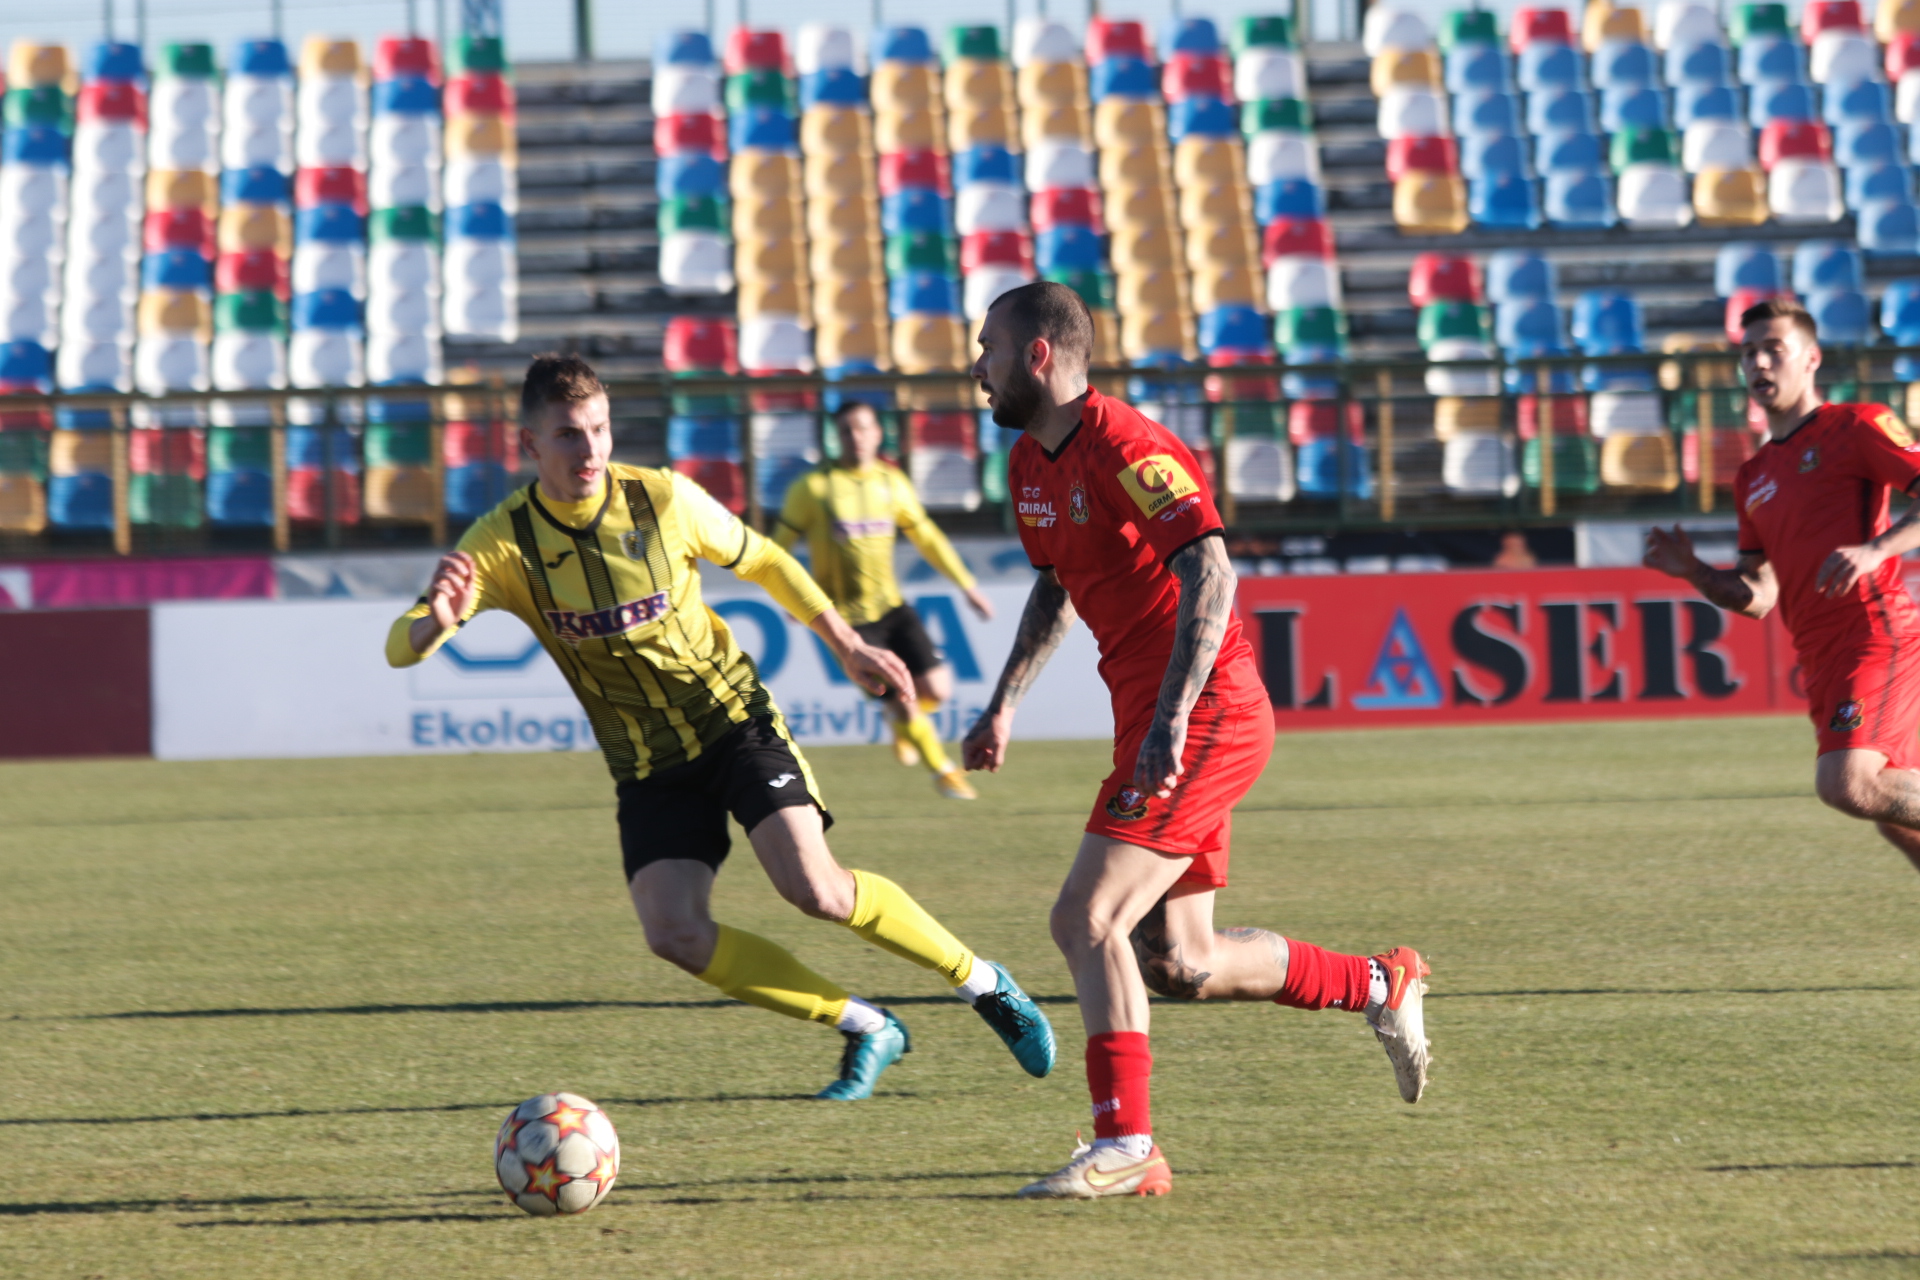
1867	699
1227	748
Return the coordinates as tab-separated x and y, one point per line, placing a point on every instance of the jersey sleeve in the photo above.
493	556
716	534
920	529
797	512
1748	540
1157	485
1884	449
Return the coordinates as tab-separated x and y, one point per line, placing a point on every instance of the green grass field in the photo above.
262	1019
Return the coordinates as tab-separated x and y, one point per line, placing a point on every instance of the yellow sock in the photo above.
887	916
921	733
750	968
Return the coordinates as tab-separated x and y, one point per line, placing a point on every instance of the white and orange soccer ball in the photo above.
556	1154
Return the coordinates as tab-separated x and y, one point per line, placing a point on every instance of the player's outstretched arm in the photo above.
878	671
1748	588
450	597
1206	605
1044	623
1841	572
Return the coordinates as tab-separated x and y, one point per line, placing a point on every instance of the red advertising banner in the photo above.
1499	647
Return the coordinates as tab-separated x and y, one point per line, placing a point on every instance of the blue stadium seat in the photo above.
684	46
1234	329
1827	264
1504	200
83	501
1900	311
1844	316
1288	198
1746	264
1773	60
1699	64
1529	329
690	174
1544	66
1560	110
915	209
1632	109
902	44
933	291
1868	183
241	499
762	128
1580	198
1624	64
703	437
987	164
833	87
1317	469
1486	113
1772	102
1123	78
1478	68
1868	144
1069	248
1199	117
1693	103
1861	100
1513	275
1529	382
474	488
1608	322
1568	153
1889	228
1192	35
1486	154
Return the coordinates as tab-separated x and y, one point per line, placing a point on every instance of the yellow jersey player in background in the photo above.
849	511
598	559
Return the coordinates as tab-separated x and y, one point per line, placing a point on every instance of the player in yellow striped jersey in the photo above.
598	559
849	512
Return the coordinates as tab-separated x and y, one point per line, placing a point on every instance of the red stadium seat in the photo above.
1829	15
1110	38
253	270
1443	277
178	452
1422	155
1197	75
1794	140
1295	237
781	401
918	168
1903	55
396	56
724	480
466	443
996	249
690	133
482	91
179	229
757	50
1731	447
307	495
1066	207
112	100
1567	416
1739	302
1309	420
341	185
1529	25
942	430
700	344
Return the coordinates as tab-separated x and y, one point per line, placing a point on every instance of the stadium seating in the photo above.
481	195
690	139
405	154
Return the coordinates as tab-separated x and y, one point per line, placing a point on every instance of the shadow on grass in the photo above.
347	1220
1811	1166
189	1204
487	1006
1663	991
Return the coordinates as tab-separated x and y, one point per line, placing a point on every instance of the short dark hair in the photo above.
1782	308
848	407
554	378
1050	310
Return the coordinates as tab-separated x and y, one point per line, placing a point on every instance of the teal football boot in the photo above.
1017	1020
865	1057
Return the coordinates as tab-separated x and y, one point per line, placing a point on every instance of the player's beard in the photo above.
1016	401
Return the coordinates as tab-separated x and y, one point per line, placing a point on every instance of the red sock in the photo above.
1119	1075
1318	979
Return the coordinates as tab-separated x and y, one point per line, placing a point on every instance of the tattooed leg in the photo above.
1182	956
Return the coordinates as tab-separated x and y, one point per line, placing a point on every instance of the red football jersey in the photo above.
1105	513
1825	486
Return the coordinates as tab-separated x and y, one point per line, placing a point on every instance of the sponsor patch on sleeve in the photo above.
1157	483
1895	429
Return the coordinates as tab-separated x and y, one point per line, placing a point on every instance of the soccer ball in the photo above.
557	1153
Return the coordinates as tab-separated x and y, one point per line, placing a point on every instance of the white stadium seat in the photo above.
696	262
1413	113
1267	72
1275	154
1394	29
990	206
1298	280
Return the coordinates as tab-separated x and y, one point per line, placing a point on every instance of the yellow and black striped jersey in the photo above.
849	518
611	589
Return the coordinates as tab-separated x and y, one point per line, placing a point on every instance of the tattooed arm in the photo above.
1206	603
1043	625
1748	588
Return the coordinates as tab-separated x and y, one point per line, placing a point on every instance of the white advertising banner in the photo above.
288	678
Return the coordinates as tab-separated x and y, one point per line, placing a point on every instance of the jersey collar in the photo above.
606	498
1090	411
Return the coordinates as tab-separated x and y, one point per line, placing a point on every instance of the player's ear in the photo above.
1039	356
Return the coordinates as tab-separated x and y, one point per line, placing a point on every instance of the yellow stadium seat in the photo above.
1200	205
849	341
851	255
1603	22
1459	415
1138	207
1406	69
937	397
982	127
1146	165
1218	246
327	56
904	86
183	189
838	298
401	493
1730	197
768	219
23	503
1646	464
769	256
478	135
1052	84
836	131
175	311
1228	287
926	343
1144	333
1121	122
255	226
1895	16
978	82
1106	336
908	131
70	452
1069	122
1138	289
846	174
1145	248
1205	161
31	64
764	175
841	217
774	295
1430	204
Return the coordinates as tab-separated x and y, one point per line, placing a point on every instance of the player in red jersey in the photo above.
1115	516
1815	539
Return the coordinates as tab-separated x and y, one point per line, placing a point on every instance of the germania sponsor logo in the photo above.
1077	509
1129	804
1895	429
1157	483
848	530
1761	492
618	620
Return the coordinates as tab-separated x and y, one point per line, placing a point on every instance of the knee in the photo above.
825	895
1848	791
1079	930
933	686
682	943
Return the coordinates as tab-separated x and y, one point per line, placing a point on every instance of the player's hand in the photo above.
1670	552
985	746
981	605
452	591
880	672
1843	570
1157	769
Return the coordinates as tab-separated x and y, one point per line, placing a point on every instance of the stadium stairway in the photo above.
1669	271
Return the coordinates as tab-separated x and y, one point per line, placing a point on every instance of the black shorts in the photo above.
682	812
899	631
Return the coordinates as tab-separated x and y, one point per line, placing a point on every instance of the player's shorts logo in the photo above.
1129	804
1077	510
1810	458
1847	715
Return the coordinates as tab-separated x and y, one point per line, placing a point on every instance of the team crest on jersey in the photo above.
1077	510
634	543
1157	483
621	618
1761	492
1810	458
1847	715
1129	804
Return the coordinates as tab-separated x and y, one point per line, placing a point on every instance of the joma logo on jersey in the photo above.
1157	483
620	619
1761	492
